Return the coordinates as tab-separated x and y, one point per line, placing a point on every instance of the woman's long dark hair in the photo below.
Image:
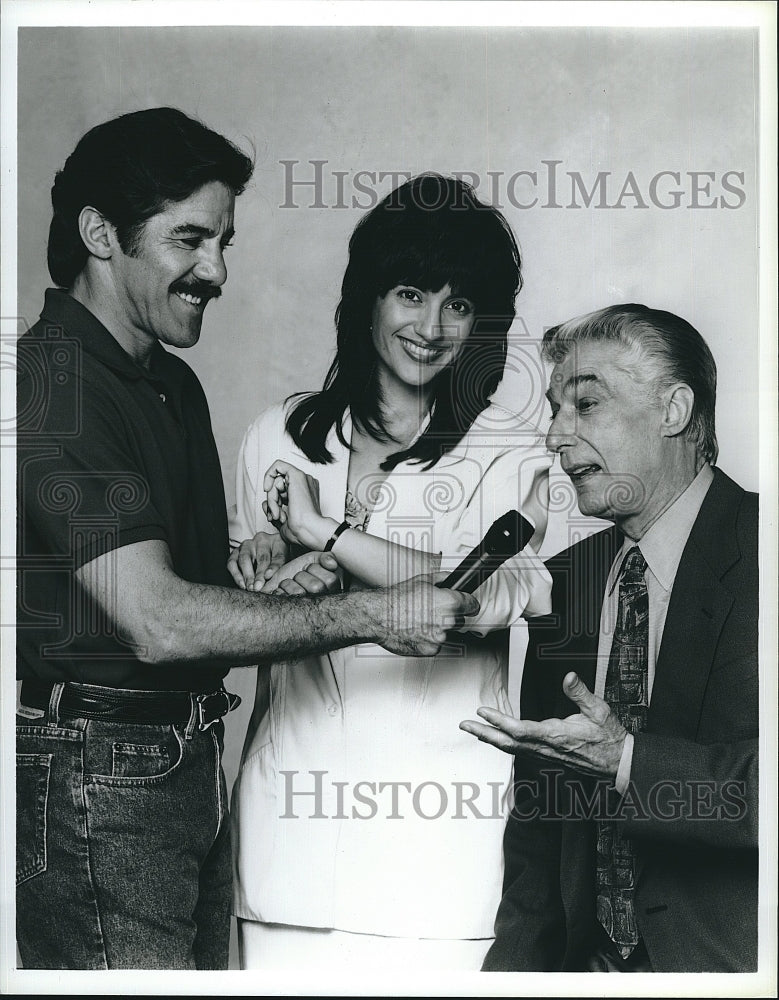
429	232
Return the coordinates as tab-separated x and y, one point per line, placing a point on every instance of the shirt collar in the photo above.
61	309
333	442
664	542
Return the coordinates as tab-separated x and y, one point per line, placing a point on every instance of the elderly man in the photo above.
632	845
127	618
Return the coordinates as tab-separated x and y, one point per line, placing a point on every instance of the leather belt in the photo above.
116	705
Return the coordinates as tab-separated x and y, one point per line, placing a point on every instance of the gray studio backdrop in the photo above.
623	159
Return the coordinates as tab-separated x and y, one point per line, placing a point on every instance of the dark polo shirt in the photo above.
108	454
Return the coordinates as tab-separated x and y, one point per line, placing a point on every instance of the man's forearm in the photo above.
170	620
237	628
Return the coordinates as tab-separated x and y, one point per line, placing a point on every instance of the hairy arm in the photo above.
172	621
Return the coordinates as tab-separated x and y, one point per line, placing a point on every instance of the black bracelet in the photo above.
335	535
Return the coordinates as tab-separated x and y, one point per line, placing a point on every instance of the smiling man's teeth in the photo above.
583	470
194	300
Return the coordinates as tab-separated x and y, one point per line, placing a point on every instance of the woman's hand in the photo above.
311	573
256	559
292	506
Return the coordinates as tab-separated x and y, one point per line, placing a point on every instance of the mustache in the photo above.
200	289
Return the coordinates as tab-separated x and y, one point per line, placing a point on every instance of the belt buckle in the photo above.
204	723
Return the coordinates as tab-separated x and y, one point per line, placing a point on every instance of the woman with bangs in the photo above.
367	825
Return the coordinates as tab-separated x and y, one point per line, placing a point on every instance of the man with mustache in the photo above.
127	617
632	845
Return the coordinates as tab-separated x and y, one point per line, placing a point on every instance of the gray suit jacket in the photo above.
692	806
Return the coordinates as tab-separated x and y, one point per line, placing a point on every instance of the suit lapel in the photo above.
697	610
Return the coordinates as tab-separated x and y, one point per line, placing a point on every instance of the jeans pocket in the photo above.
137	760
143	755
32	796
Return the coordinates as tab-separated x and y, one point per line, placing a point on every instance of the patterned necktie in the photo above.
627	694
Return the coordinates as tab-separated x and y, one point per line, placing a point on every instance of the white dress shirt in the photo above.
362	714
662	548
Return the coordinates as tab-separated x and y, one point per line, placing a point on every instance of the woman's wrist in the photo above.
319	532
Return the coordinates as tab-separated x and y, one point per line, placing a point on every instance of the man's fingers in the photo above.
506	723
427	648
470	605
488	734
521	738
522	730
589	704
464	604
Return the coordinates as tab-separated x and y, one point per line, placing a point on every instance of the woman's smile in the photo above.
422	352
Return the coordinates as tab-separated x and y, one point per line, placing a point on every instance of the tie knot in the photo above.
634	565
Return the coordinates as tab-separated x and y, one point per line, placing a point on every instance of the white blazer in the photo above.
360	805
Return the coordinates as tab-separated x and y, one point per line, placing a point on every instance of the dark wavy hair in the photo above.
129	169
428	232
665	349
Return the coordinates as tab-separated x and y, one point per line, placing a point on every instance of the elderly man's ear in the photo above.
678	402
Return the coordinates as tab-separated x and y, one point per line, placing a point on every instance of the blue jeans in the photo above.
123	845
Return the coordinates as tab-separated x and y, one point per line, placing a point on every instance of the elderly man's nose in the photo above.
561	433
